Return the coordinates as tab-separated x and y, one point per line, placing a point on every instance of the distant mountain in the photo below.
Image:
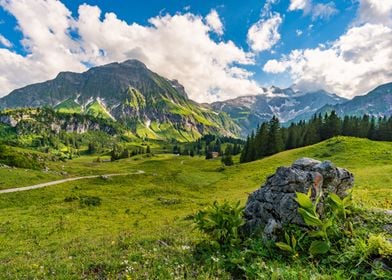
287	104
149	104
377	102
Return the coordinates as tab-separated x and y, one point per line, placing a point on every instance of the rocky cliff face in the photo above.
36	121
151	105
274	205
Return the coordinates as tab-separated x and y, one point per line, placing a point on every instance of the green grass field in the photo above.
143	227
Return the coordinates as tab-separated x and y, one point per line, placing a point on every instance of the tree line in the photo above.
270	138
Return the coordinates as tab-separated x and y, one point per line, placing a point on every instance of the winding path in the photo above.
42	185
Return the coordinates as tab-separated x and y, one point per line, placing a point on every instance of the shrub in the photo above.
227	160
90	201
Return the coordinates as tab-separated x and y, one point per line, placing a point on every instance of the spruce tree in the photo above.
275	141
261	141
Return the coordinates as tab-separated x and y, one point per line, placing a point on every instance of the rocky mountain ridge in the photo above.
286	104
377	103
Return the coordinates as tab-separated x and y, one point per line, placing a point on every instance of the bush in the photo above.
227	160
90	201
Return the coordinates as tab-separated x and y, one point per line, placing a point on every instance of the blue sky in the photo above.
242	47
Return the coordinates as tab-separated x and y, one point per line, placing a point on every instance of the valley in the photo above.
142	227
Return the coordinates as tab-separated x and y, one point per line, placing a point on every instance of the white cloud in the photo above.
355	63
268	6
323	11
274	66
317	11
214	22
47	27
375	11
298	32
5	42
304	5
264	34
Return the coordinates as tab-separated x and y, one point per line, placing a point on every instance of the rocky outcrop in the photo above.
273	206
27	121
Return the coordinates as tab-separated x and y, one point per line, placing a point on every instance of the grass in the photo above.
166	130
69	106
143	226
96	109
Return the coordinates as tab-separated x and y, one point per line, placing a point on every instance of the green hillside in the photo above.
69	106
96	109
143	227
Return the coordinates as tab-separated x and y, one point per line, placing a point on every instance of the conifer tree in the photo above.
275	140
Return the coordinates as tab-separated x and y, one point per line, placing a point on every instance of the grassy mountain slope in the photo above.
143	227
68	106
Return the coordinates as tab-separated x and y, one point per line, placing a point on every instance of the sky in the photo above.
217	49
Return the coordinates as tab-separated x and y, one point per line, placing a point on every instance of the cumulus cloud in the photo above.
317	11
355	63
45	27
304	5
5	42
214	22
264	34
375	11
57	41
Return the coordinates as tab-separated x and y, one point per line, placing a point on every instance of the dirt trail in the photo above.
42	185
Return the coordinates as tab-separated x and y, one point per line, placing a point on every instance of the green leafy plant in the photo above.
340	205
341	208
221	222
308	212
291	244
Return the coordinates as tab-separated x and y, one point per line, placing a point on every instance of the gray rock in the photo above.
387	228
273	206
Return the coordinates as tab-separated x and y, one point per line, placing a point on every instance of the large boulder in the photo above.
273	205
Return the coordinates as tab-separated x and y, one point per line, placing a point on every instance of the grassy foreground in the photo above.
143	227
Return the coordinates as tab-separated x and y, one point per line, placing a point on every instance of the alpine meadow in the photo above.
196	140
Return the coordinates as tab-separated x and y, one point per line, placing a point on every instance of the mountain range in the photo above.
286	104
154	107
377	103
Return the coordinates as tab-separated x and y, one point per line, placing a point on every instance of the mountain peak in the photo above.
133	63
